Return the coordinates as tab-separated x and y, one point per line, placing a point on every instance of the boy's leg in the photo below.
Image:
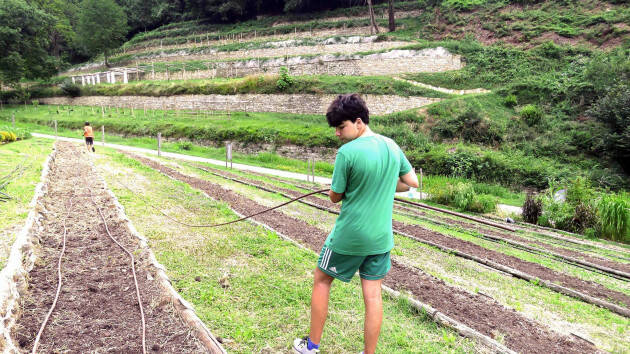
373	313
319	304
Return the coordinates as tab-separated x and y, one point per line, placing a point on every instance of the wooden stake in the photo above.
159	141
103	134
420	183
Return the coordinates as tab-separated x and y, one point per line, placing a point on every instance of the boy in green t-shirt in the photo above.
369	169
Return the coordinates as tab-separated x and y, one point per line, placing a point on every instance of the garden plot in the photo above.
477	311
564	314
103	303
593	256
248	285
516	266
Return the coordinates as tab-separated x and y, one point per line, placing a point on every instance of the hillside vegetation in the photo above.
558	72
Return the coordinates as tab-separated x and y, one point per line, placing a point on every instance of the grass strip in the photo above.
31	153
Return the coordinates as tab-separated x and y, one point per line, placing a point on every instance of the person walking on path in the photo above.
369	169
88	133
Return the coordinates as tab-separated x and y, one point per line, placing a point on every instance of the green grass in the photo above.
249	286
541	304
31	153
253	84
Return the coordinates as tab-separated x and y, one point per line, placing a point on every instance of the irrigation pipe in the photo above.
133	269
558	288
437	316
496	266
54	304
422	205
225	223
617	274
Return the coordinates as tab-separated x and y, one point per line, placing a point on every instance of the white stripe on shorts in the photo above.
326	258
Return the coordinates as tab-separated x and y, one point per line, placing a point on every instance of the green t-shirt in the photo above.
367	171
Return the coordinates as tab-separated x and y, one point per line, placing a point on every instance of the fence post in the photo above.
421	183
159	139
103	134
13	120
228	154
308	169
56	130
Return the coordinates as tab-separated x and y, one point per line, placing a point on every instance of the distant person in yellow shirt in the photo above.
88	133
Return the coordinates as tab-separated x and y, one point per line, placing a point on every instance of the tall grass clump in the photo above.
614	215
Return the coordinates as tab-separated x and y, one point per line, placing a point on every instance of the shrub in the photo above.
614	111
614	214
465	198
285	80
584	218
470	127
532	209
531	114
556	214
510	101
464	195
184	145
70	89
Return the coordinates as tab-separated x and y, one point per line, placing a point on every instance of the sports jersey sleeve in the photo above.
340	174
405	166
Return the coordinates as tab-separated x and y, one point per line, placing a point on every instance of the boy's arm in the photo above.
406	181
335	197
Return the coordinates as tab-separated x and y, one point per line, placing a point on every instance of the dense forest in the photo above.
40	37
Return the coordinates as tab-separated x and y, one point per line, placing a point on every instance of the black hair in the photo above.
347	107
87	123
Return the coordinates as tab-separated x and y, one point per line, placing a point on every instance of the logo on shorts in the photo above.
333	269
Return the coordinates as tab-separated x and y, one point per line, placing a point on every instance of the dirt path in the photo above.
97	309
476	311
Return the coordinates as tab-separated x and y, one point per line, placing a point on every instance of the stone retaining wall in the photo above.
302	104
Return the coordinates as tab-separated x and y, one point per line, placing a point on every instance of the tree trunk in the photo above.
106	63
373	26
392	20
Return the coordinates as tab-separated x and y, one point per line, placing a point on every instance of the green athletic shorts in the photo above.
343	266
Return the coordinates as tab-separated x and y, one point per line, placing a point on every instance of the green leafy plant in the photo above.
285	80
614	213
70	89
531	114
510	101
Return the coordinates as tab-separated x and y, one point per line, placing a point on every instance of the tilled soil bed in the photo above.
587	287
97	309
476	311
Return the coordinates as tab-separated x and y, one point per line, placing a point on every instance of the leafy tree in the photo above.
24	37
614	111
62	34
102	26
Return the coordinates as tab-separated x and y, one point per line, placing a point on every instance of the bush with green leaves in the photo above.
285	81
531	114
555	213
70	89
613	110
469	126
463	197
510	100
10	134
614	216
